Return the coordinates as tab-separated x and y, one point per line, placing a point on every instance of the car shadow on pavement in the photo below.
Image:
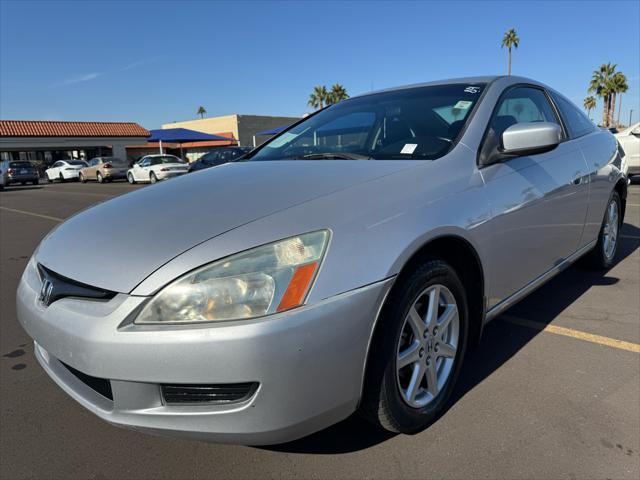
501	341
15	188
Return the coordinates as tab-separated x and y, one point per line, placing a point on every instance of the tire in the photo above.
153	178
99	177
23	183
61	178
385	400
47	178
81	178
35	182
603	255
130	179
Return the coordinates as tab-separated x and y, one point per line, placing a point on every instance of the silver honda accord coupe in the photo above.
345	265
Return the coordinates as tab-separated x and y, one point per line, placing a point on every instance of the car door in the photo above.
90	172
538	202
139	168
54	170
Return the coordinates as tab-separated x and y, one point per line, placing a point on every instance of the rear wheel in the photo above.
99	177
153	178
35	182
603	255
417	350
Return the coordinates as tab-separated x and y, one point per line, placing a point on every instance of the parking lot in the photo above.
552	392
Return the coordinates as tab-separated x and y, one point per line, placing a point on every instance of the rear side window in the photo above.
577	122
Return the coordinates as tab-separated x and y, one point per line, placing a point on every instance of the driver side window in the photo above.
522	105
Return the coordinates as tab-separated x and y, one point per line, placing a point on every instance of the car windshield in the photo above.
166	159
414	123
114	161
20	165
77	163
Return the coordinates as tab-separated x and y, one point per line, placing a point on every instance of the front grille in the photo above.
55	287
211	394
99	385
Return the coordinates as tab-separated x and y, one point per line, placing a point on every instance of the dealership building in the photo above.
44	142
246	129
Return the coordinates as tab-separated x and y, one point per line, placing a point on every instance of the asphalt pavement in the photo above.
552	392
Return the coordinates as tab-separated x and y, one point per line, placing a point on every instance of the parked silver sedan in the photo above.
347	264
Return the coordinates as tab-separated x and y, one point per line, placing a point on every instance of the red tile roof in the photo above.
31	128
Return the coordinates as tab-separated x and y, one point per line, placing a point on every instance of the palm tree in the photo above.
201	111
589	104
618	86
318	98
337	94
509	40
601	86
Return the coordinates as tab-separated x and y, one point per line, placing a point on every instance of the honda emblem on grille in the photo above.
45	292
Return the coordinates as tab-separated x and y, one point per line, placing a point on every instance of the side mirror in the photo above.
530	138
636	132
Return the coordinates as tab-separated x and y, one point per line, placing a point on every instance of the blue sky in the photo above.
156	62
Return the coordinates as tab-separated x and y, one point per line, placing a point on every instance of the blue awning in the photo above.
273	131
180	135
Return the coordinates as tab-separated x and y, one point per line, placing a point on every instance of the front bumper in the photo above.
309	363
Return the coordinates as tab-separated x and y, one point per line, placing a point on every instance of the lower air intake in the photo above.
210	394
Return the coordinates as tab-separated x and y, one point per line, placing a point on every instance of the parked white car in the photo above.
629	139
153	168
64	170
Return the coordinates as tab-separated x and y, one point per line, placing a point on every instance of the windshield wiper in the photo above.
334	156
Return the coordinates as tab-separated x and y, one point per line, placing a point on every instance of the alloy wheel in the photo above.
610	230
427	346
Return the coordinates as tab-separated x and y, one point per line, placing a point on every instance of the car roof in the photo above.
487	79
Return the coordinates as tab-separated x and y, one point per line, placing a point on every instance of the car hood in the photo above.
117	244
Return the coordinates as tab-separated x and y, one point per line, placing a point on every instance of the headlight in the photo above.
264	280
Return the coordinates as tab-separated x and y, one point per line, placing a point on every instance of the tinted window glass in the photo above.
77	163
413	123
577	122
19	165
522	105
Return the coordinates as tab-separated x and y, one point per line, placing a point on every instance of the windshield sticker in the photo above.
409	148
462	105
282	140
472	90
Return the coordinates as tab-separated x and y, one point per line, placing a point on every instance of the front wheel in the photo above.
417	350
81	178
48	178
61	178
130	178
99	178
153	178
603	255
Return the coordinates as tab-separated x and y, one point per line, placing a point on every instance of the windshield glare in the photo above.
415	123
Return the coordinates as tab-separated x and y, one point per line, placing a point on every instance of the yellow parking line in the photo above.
24	212
570	332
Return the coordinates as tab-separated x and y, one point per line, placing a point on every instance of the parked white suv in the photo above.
629	140
156	167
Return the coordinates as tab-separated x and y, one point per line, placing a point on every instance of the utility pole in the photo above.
619	108
630	114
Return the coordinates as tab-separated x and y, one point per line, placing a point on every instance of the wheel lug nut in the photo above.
435	330
436	347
